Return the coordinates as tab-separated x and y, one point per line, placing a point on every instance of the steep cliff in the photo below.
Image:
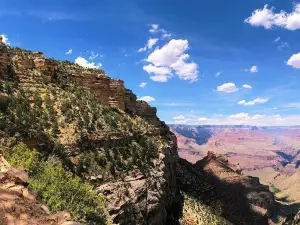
91	130
97	129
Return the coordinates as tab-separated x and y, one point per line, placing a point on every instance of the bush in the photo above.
58	188
274	189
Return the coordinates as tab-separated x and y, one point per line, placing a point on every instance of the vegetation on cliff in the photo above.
58	188
64	136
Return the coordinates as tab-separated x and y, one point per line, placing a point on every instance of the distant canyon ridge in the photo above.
270	153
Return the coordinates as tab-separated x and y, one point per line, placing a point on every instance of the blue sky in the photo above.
200	62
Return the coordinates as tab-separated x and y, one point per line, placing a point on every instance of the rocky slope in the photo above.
19	206
95	141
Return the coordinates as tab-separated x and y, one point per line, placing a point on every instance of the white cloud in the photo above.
142	49
5	39
84	63
282	46
147	99
227	88
267	18
172	56
258	117
294	61
239	116
277	39
218	73
253	102
293	105
93	55
165	36
143	84
154	28
247	86
253	69
151	42
157	70
243	118
242	102
180	117
69	52
160	78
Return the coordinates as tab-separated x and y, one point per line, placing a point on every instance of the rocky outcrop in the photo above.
144	110
146	198
239	199
18	204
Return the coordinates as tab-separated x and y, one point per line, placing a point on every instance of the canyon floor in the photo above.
270	153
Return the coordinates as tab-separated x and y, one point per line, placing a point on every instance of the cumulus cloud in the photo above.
266	18
169	59
143	84
227	88
159	74
247	86
151	42
147	99
5	39
202	119
69	52
253	102
84	63
294	61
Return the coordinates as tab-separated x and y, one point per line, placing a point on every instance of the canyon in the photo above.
269	153
81	135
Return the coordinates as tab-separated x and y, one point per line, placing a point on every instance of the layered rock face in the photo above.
33	69
153	199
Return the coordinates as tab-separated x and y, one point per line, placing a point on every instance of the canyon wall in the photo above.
33	69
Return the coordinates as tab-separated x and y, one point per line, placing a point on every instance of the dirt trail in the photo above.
18	205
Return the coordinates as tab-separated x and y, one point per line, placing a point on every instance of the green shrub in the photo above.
58	188
274	189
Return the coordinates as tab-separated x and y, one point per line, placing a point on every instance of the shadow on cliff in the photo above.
200	134
232	200
284	210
